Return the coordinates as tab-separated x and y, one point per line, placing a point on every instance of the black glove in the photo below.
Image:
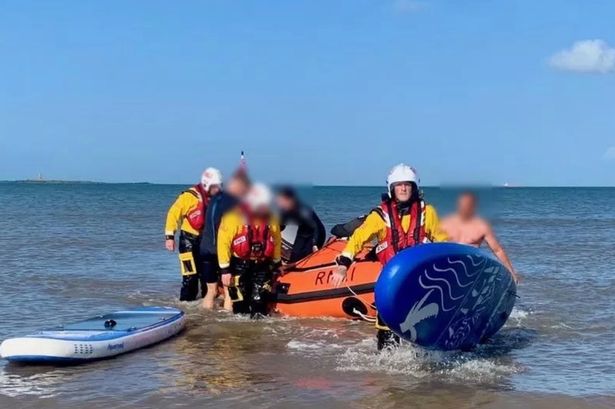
273	267
343	261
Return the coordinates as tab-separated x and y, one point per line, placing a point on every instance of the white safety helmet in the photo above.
401	173
259	196
211	177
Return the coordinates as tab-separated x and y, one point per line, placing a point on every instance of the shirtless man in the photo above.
466	227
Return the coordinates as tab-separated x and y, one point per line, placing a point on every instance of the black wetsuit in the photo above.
254	285
310	231
346	229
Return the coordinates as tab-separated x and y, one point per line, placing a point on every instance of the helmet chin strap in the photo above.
403	207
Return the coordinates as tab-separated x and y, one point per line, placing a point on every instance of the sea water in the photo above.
68	251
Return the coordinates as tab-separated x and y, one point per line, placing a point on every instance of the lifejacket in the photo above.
396	238
254	241
196	216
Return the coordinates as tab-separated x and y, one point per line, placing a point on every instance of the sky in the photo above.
330	92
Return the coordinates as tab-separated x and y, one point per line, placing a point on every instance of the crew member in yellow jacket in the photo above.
402	220
249	251
188	213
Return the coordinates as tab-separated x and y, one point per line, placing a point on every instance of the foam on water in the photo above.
419	363
518	315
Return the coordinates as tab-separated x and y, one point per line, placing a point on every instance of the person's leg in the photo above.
244	287
238	295
385	338
189	271
210	297
190	288
228	303
261	286
209	280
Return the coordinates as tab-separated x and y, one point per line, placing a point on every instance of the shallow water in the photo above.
70	251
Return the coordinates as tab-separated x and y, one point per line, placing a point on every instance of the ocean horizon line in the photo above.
444	185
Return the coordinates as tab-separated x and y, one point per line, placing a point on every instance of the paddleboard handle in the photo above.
110	323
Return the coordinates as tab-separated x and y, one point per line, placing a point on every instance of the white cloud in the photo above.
593	56
609	154
408	6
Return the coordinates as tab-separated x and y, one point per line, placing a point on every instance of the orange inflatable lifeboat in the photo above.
306	290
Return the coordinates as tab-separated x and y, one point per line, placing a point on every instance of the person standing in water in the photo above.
219	204
402	220
249	251
466	227
188	212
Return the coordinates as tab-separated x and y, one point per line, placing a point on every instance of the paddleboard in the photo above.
96	338
445	296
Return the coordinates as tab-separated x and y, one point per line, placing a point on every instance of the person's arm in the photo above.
372	226
174	216
346	229
499	252
432	225
226	234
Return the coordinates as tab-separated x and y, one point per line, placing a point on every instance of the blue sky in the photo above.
329	92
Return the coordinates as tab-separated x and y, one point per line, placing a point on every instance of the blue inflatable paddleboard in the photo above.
96	338
445	296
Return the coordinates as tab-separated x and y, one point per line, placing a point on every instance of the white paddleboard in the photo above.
96	338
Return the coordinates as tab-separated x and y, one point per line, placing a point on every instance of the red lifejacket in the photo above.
254	241
396	238
196	216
